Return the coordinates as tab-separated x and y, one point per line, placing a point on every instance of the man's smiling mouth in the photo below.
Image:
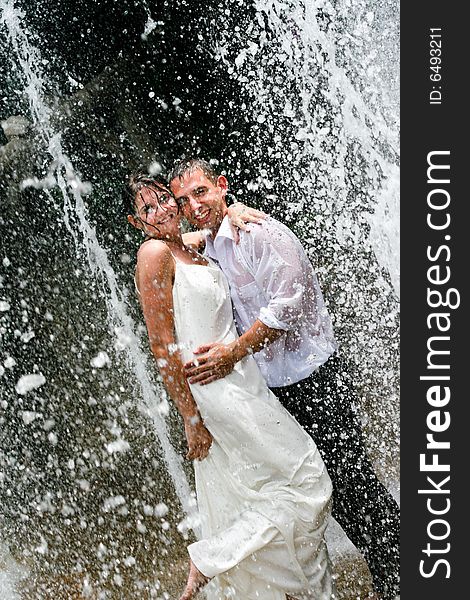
202	216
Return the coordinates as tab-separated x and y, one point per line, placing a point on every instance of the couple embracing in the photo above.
264	399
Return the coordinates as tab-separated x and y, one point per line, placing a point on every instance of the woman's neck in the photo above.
185	254
175	241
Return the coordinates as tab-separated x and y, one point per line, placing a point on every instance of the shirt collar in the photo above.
225	231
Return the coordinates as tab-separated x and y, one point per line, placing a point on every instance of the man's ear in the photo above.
134	222
222	183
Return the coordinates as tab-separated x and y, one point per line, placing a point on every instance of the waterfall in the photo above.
317	122
72	190
320	84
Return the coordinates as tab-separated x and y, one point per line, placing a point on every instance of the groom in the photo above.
283	321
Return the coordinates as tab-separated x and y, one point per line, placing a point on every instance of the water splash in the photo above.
72	190
306	70
322	105
151	24
11	573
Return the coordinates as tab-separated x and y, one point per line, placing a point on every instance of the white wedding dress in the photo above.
263	491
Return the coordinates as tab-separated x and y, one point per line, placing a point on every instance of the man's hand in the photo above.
214	361
198	438
239	215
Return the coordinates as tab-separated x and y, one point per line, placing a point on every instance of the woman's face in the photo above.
157	213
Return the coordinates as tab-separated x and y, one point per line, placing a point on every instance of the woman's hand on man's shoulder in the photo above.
241	215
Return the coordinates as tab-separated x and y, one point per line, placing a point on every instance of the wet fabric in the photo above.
263	492
271	279
325	405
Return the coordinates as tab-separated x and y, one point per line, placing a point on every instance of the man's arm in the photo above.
239	216
280	267
217	360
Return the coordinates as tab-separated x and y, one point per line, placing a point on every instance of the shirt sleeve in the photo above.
282	270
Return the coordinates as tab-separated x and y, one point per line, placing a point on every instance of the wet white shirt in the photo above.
271	279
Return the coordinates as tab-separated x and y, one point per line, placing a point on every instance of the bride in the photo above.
262	489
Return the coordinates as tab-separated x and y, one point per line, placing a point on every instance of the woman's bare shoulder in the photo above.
153	248
154	257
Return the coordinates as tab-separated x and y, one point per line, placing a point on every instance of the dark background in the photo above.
426	128
98	73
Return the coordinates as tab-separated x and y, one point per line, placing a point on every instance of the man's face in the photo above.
201	200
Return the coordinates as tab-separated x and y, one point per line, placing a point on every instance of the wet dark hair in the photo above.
189	165
138	181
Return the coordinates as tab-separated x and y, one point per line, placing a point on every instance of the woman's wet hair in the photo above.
138	181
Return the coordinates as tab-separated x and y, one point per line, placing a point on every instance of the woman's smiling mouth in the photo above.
165	220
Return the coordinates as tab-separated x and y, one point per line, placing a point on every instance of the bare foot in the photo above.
196	581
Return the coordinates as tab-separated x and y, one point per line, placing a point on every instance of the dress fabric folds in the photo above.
263	492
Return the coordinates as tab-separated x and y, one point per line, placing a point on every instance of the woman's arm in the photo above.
195	240
155	274
240	215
